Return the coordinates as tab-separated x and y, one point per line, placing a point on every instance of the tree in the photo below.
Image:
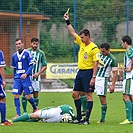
106	11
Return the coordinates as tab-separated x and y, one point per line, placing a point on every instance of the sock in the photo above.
36	101
3	112
17	105
78	108
32	102
132	111
103	111
32	120
24	103
128	110
23	117
83	103
89	109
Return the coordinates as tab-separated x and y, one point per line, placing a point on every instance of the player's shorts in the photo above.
22	85
36	85
2	91
50	114
82	81
101	86
128	86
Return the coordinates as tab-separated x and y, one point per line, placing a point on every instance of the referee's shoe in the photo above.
76	121
84	122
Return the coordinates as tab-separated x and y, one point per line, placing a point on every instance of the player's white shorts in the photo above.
101	86
128	86
36	85
50	114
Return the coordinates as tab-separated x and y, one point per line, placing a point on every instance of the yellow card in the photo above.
67	10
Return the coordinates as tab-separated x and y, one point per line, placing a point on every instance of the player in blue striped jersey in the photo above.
107	64
22	62
128	79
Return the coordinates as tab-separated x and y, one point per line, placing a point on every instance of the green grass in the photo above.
8	70
115	115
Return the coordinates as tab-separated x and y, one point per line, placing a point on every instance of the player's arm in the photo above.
40	72
70	28
129	69
96	58
28	72
95	67
114	79
3	76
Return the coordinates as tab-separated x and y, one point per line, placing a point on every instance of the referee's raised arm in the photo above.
70	28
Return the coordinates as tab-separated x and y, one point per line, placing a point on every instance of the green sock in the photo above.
132	111
83	103
36	101
128	105
32	120
24	103
22	117
103	111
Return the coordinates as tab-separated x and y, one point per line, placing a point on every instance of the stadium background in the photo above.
107	21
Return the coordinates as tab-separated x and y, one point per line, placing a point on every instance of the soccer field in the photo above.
115	115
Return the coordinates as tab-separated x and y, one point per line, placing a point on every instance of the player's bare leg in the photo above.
34	115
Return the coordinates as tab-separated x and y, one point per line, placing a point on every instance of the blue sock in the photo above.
3	112
32	102
78	108
17	105
89	108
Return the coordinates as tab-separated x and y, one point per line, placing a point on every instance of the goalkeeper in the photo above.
48	114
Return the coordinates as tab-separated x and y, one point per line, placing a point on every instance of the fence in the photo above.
107	21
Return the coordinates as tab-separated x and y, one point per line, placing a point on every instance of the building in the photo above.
10	29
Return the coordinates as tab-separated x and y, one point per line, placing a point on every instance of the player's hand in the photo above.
128	69
111	89
4	84
92	82
23	76
66	16
35	75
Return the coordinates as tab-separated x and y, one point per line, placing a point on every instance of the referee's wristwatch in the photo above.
93	76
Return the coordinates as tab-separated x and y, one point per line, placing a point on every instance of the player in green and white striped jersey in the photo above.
48	114
107	64
40	65
128	79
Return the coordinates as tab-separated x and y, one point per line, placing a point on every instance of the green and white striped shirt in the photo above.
40	61
128	62
109	62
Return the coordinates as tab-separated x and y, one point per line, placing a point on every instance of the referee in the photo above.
88	57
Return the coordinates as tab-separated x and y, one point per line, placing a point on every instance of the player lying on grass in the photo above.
49	114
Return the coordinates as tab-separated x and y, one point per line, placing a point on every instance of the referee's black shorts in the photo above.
82	81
